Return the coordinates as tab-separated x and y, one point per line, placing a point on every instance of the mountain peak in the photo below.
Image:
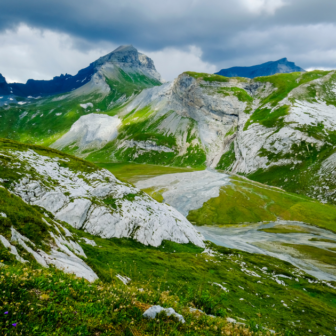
126	56
123	54
265	69
2	79
125	48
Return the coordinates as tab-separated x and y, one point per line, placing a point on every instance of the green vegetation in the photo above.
49	302
241	94
283	84
247	201
286	229
268	118
323	240
173	275
26	219
207	77
232	131
303	176
227	159
133	172
314	253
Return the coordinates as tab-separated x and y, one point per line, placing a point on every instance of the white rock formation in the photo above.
78	198
12	248
89	242
124	279
69	264
21	240
92	131
65	259
154	310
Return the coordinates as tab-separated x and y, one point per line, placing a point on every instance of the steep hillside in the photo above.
265	69
116	77
277	130
89	198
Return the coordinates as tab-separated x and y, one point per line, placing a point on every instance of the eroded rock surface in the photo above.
95	201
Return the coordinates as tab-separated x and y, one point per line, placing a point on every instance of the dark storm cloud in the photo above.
228	32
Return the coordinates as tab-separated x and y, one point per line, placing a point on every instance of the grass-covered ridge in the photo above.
207	77
283	84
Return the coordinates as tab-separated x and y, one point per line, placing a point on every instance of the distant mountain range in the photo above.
265	69
125	55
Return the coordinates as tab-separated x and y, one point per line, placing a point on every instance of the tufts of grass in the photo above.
268	118
286	229
227	159
207	77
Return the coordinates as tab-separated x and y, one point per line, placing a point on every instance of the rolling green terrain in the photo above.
47	301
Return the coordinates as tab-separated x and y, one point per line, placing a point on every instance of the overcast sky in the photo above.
40	39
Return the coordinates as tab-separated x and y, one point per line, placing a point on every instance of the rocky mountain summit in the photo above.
265	69
124	57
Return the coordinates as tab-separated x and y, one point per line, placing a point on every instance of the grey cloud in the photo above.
226	31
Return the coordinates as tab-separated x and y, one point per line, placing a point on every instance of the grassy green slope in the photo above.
49	302
246	201
47	119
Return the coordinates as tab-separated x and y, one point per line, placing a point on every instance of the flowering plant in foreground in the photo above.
51	302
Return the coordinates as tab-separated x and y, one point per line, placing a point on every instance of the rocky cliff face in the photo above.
197	111
277	129
265	69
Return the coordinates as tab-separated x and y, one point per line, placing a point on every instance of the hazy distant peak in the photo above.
265	69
